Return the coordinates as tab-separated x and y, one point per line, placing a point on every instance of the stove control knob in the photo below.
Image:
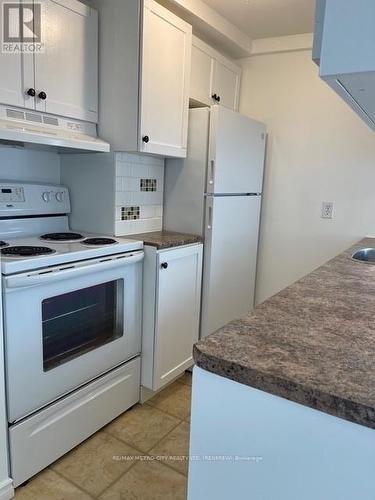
46	196
59	196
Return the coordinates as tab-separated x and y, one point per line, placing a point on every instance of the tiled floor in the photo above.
135	457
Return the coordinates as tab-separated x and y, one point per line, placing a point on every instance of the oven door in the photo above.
66	325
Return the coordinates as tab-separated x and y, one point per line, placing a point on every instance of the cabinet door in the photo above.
177	311
16	76
68	69
226	83
201	81
165	79
12	89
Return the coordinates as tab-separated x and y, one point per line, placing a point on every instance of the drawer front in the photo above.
44	437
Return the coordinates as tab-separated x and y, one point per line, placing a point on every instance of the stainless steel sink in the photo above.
366	255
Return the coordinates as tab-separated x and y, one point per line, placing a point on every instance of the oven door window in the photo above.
80	321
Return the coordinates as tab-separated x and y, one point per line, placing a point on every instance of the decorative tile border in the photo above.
148	184
130	213
139	193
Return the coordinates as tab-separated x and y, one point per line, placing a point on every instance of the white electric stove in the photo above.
72	325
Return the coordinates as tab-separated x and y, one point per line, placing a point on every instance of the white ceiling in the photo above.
267	18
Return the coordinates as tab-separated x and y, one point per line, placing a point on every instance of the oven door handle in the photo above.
46	277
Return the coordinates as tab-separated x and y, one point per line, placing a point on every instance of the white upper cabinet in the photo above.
226	84
67	72
165	77
12	90
202	71
144	60
16	72
62	79
214	78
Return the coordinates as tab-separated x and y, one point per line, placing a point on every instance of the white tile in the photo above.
129	184
148	198
124	169
124	199
159	211
138	226
154	198
118	183
141	171
147	212
124	227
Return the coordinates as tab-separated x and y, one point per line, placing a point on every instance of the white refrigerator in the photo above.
216	192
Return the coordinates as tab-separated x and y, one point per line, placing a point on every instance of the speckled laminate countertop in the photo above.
313	343
166	239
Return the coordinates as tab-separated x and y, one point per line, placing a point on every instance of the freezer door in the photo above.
236	153
230	255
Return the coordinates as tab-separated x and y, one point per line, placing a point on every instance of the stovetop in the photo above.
34	217
35	253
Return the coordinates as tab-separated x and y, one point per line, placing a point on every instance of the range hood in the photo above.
42	131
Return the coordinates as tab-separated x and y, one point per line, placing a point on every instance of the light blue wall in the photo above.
17	163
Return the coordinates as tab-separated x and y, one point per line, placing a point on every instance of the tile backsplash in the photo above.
139	193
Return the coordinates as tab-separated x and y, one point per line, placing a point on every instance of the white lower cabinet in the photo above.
172	293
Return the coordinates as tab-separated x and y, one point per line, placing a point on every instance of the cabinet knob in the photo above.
31	92
42	95
146	139
164	265
218	98
214	96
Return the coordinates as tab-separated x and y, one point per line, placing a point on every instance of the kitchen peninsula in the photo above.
284	398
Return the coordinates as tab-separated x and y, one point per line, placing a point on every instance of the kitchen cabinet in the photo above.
145	54
172	292
67	72
11	81
344	47
214	78
62	79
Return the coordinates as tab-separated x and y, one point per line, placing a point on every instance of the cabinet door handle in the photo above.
164	265
42	95
31	92
146	139
214	97
218	98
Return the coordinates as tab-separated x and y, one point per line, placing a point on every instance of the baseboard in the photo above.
6	489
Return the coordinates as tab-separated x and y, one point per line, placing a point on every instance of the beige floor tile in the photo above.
148	481
50	486
174	448
96	463
175	400
186	378
142	427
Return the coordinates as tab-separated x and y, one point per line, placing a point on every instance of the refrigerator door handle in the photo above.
209	222
212	172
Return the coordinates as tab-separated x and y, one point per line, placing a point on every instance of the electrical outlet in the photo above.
327	210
